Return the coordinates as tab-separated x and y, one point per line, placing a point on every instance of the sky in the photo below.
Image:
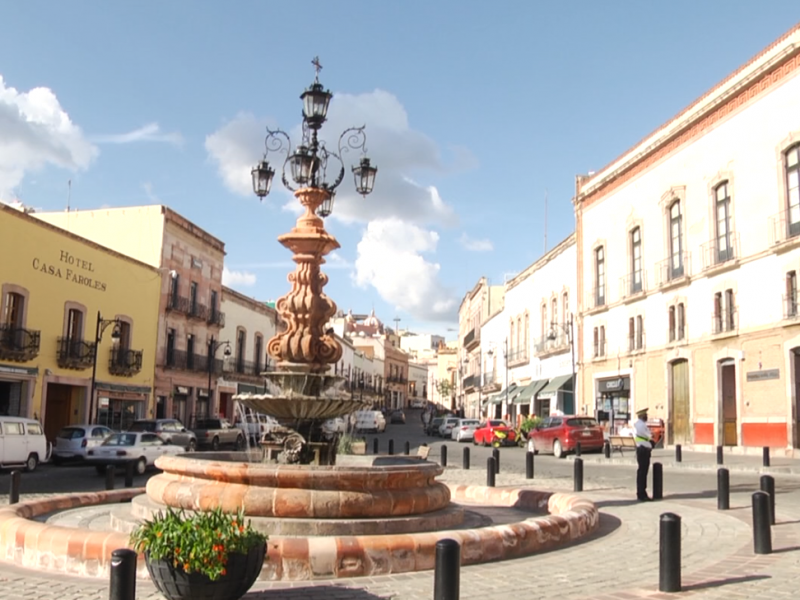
478	115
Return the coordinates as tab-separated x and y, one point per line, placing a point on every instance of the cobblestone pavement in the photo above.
620	562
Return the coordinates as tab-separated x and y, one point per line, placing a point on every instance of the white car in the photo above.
139	447
73	441
22	442
464	430
447	426
335	425
370	420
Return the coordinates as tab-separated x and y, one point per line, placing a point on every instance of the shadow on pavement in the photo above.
720	582
312	592
787	549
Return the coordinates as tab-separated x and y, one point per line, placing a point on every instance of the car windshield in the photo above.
71	433
120	439
209	424
497	423
582	422
473	422
143	426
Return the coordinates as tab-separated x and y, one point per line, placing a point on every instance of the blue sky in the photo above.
474	111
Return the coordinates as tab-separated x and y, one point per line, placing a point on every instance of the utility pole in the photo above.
396	326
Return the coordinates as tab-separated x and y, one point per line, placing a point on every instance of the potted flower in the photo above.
210	555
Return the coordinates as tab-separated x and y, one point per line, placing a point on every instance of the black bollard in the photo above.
658	481
13	492
465	459
719	455
490	469
129	474
669	553
577	475
678	453
375	446
110	474
765	456
768	486
444	455
577	448
123	575
391	447
529	465
762	532
407	448
607	449
496	457
723	489
447	570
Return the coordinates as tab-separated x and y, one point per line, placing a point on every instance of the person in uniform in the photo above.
644	446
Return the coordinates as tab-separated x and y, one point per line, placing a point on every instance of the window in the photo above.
12	317
512	330
258	349
124	335
723	210
631	334
681	321
672	324
791	294
600	277
596	342
213	303
544	320
190	351
526	334
639	332
792	158
602	340
635	333
240	346
565	306
718	318
173	294
675	240
74	341
170	359
554	311
599	341
636	261
730	309
724	311
193	296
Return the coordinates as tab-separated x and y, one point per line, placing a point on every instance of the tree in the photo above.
444	387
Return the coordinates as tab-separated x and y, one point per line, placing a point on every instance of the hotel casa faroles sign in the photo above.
72	268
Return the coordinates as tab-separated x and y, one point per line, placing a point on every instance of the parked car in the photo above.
433	426
22	442
140	448
561	434
335	425
464	429
494	432
255	426
73	441
213	433
171	431
418	403
398	416
370	420
447	426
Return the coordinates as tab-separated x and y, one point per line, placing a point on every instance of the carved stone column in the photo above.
304	346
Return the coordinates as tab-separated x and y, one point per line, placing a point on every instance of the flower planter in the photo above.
359	448
241	573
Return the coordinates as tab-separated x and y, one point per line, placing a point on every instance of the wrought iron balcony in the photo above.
198	311
725	321
636	342
472	338
491	381
673	269
518	356
716	252
632	284
179	304
596	298
785	226
215	317
471	381
75	354
247	368
185	361
676	334
125	362
17	344
790	306
547	345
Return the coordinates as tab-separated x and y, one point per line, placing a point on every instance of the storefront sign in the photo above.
33	371
615	385
764	375
202	393
118	387
69	267
103	402
182	391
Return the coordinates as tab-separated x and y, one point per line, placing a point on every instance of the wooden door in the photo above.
679	418
729	421
796	373
56	409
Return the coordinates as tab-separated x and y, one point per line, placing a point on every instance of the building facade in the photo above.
189	315
417	384
443	376
680	311
63	300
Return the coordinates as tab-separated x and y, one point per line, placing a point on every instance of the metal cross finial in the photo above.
317	67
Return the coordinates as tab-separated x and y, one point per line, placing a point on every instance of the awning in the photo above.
556	383
529	391
496	399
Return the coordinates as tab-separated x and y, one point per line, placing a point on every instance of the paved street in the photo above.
620	561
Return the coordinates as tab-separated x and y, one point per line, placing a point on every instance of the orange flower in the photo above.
224	572
185	566
158	534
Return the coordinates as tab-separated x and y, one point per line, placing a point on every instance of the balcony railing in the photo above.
790	306
472	338
75	354
632	284
125	362
198	311
518	356
636	342
718	252
599	349
470	381
725	321
248	368
192	309
676	334
17	344
548	345
596	298
785	226
672	269
187	361
215	317
490	377
492	381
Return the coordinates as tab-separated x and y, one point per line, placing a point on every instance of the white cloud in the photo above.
475	245
237	278
334	260
149	133
390	259
36	131
236	147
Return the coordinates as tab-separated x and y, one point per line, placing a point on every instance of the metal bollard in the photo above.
123	575
490	469
768	486
607	449
129	474
719	455
110	474
375	446
723	489
407	448
465	459
496	457
444	455
577	475
529	465
658	481
13	492
669	553
391	447
765	456
447	570
678	453
577	448
762	532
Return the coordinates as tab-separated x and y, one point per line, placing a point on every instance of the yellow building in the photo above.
60	294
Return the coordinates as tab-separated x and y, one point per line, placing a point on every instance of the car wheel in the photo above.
215	444
141	466
30	464
558	451
474	442
192	446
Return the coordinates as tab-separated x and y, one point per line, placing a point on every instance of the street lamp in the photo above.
213	346
567	328
308	162
505	359
116	334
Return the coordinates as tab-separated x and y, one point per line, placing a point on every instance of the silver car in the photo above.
447	426
73	441
464	430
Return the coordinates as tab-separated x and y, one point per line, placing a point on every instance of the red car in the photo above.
494	432
561	435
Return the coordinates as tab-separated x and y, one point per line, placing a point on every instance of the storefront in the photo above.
180	403
558	395
202	407
613	405
526	397
16	389
120	405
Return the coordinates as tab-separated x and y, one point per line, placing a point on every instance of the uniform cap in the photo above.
641	412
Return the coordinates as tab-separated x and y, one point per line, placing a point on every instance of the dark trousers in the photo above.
643	460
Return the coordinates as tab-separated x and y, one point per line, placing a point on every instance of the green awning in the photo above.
529	391
496	399
556	383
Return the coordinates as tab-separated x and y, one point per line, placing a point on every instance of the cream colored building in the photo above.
442	376
688	255
417	383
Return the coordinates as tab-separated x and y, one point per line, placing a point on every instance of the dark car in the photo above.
433	426
398	416
171	431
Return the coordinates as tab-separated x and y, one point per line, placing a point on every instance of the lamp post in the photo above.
213	346
567	328
505	359
116	333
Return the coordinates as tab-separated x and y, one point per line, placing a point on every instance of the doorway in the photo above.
796	382
679	424
57	409
728	390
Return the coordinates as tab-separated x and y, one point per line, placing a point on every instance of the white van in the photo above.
22	442
370	420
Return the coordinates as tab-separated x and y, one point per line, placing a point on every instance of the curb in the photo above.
785	470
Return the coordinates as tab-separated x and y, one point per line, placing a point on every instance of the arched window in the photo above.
636	260
675	240
722	203
600	276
